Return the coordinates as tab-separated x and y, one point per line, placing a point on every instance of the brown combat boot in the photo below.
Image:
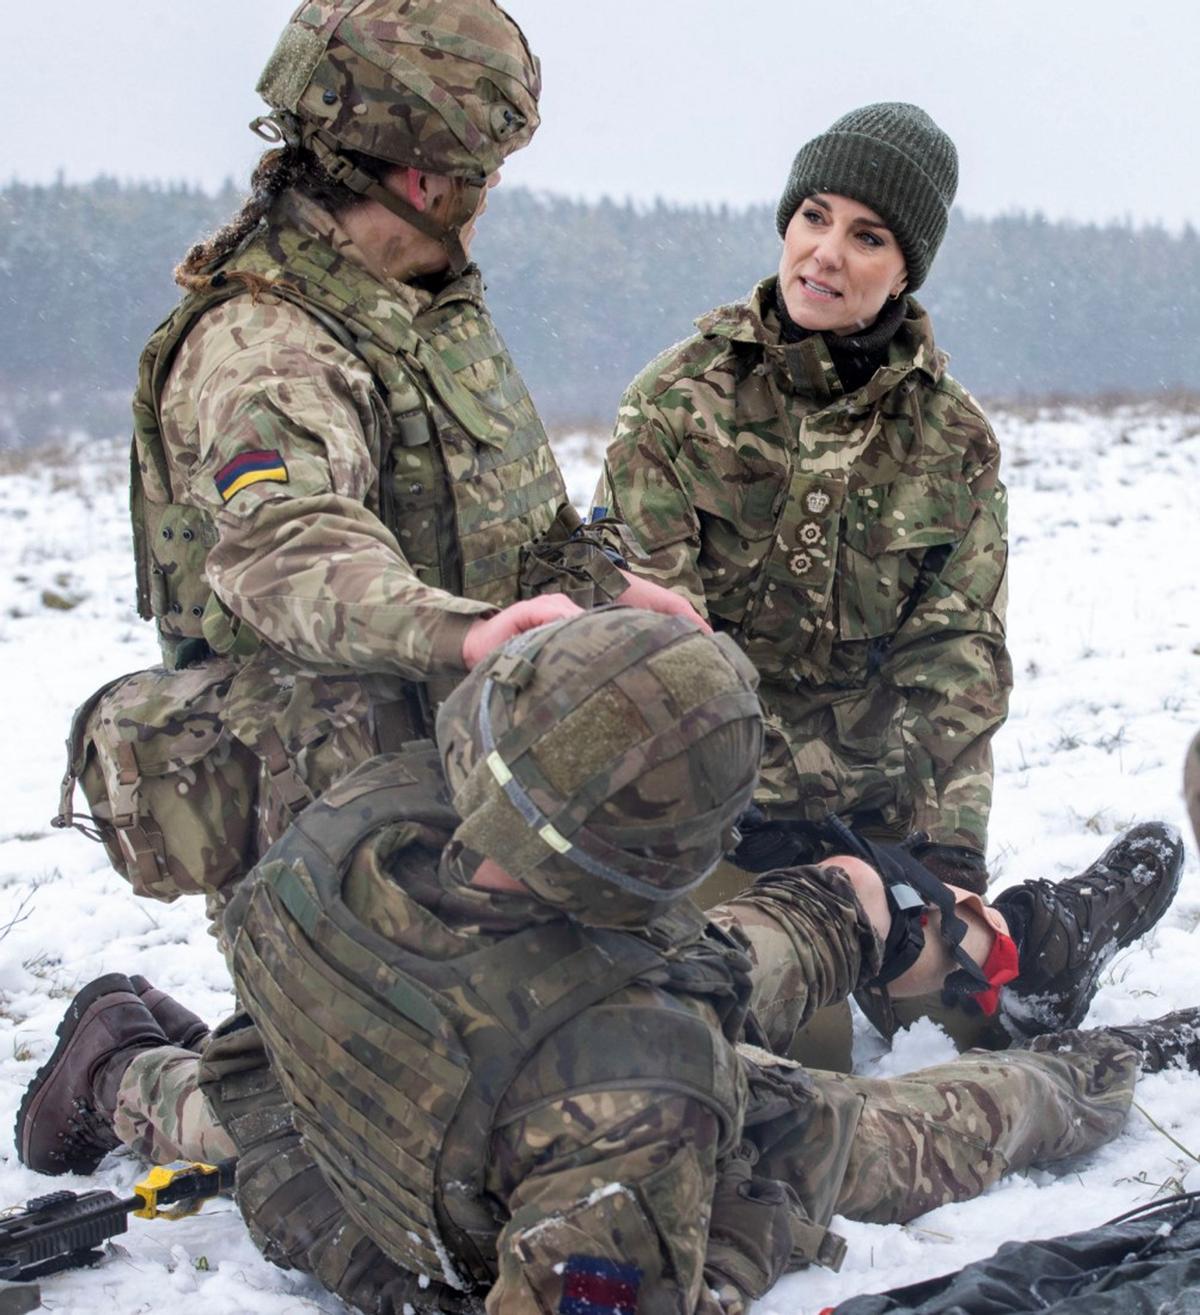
1172	1041
64	1124
183	1028
1067	931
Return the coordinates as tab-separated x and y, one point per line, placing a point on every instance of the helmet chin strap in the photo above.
463	205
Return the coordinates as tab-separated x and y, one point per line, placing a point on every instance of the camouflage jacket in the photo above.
281	432
855	546
616	1155
335	476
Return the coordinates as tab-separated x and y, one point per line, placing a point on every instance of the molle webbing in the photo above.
395	1064
468	477
170	539
469	454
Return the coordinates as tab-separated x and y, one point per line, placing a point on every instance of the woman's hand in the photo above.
489	633
655	598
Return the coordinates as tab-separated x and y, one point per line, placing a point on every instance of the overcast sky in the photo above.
1081	108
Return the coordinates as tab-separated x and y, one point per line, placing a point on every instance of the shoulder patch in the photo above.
249	468
595	1286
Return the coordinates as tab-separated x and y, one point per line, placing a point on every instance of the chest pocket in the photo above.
788	619
888	532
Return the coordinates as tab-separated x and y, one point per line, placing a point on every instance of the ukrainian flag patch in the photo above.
249	468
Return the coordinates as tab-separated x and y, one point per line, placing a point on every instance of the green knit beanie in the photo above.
893	158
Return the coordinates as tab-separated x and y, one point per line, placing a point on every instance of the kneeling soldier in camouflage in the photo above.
491	1049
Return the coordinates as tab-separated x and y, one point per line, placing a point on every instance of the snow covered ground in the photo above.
1105	635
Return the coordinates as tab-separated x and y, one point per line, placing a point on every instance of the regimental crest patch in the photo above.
249	468
595	1286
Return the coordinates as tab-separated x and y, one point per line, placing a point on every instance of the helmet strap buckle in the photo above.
278	128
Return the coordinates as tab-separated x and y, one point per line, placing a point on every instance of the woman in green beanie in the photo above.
806	472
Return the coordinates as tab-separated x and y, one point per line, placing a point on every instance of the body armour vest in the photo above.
467	476
395	1062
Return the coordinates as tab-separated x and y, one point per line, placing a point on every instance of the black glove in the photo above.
956	865
766	845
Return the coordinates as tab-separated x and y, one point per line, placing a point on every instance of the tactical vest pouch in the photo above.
305	730
172	794
190	775
570	558
759	1232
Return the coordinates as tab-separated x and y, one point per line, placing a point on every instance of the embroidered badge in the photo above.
800	563
594	1286
809	533
817	501
249	468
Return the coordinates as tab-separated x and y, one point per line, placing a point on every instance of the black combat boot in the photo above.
1067	931
64	1124
1172	1041
182	1027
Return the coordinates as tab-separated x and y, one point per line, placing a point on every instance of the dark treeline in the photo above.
587	293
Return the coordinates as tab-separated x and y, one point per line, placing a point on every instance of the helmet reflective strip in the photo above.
558	842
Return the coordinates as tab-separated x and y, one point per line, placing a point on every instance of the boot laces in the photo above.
88	1132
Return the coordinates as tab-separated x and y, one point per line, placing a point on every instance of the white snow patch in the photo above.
1105	638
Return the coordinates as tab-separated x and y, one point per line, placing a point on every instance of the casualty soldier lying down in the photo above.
489	1050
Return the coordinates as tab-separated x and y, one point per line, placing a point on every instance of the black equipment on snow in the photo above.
65	1229
1145	1262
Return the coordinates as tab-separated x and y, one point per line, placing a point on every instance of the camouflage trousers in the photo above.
939	1135
163	1115
874	1149
949	1132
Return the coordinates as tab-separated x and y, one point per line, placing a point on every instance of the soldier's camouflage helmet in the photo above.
447	86
603	760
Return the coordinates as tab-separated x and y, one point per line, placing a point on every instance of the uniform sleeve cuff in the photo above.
447	635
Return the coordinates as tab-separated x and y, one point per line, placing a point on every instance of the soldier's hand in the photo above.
655	598
956	865
489	633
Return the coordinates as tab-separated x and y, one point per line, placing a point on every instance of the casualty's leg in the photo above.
948	1133
1038	950
816	932
115	1077
161	1113
827	1038
810	941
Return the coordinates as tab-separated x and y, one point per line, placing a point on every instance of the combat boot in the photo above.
1067	931
182	1027
1172	1041
65	1122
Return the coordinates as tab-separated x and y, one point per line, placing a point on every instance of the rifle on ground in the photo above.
65	1229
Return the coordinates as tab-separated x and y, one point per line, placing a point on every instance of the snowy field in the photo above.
1105	636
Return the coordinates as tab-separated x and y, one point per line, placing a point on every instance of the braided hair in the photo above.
278	170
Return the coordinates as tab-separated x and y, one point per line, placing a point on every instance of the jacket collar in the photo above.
806	368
